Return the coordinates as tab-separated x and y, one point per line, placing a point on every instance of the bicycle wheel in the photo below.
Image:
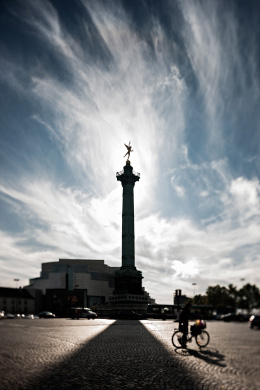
202	339
177	339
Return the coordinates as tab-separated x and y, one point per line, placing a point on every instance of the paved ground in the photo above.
105	354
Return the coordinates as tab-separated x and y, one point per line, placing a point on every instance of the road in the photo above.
107	354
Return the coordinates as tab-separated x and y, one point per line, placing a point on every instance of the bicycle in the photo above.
201	337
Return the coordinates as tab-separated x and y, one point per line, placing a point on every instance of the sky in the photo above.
180	79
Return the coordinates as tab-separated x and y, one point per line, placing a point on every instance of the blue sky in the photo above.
180	80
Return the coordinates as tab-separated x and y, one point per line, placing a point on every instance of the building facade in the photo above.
74	282
16	301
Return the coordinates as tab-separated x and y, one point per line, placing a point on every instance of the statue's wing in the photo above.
126	145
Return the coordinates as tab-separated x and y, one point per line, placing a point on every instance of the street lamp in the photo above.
194	284
16	281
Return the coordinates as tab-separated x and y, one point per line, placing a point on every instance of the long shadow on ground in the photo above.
125	355
209	355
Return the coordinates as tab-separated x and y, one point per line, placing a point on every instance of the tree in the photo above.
249	297
232	296
218	296
200	300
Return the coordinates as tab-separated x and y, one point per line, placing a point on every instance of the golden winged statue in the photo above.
129	150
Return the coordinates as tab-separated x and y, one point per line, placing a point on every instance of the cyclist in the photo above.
184	322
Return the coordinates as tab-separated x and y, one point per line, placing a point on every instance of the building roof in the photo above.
7	292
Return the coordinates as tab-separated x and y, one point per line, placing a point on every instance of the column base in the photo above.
128	281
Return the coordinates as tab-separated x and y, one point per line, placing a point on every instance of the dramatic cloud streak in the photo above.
181	81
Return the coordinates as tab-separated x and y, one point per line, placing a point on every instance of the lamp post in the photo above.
194	284
16	281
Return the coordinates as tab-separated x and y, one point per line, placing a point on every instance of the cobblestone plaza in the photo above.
108	354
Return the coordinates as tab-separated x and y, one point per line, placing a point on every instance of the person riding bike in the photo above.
184	322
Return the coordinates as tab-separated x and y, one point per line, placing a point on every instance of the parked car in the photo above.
9	316
28	317
82	312
2	315
254	320
46	314
234	317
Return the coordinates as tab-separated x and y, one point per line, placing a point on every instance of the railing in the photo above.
121	173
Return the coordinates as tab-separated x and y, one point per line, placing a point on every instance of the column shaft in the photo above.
128	232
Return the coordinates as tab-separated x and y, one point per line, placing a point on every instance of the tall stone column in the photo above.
128	279
128	179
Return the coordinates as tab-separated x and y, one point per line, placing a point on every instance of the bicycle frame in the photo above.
201	337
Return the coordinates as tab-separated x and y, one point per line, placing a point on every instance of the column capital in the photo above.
127	176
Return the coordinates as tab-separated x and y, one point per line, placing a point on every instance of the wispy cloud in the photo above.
224	59
95	114
94	85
